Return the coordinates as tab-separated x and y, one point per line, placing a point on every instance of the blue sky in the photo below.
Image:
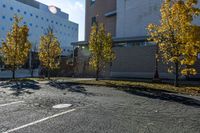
75	9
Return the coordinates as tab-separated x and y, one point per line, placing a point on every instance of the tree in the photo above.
16	48
100	47
49	51
177	37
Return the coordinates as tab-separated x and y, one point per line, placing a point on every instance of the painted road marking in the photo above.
7	104
60	106
39	121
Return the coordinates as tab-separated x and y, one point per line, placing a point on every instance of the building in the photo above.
135	55
127	20
102	11
38	17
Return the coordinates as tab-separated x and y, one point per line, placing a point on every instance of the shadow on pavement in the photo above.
162	95
137	90
71	87
21	86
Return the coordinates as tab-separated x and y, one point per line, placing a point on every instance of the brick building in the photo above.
127	20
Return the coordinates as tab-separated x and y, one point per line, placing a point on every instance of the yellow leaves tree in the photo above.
100	47
49	51
16	48
177	37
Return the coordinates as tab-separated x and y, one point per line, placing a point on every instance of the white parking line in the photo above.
2	105
39	121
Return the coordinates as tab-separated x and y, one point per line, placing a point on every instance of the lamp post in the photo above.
156	77
74	58
73	61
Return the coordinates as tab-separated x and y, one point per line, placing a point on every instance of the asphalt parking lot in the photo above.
27	107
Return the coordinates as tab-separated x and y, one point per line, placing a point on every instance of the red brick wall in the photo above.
100	7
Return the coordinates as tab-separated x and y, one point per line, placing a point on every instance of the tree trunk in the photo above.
13	73
176	75
32	71
48	73
97	73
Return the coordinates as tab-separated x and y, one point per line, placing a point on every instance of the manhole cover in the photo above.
60	106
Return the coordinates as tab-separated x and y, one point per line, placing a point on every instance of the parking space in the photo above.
19	115
91	109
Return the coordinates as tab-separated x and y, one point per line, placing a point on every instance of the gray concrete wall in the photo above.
133	16
82	67
21	73
138	62
131	62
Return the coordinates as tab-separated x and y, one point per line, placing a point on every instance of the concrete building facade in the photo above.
38	17
135	56
133	16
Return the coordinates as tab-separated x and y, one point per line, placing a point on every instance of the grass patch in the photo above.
183	89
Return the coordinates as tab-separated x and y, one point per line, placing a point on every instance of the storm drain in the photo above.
61	106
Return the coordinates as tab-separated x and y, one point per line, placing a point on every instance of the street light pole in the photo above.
73	61
156	73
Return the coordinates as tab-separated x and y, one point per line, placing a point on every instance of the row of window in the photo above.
57	32
25	23
42	18
136	43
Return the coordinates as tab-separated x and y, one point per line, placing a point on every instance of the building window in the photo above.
24	23
11	8
31	14
30	24
92	2
36	16
42	18
47	20
4	6
3	17
25	12
11	19
18	10
94	20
